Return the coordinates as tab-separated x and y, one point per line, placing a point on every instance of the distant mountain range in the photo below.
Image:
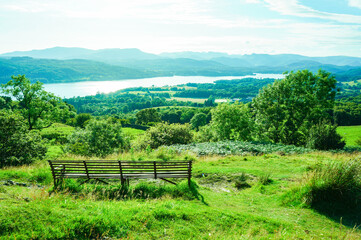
60	64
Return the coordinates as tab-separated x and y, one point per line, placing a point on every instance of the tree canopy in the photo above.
38	107
286	110
17	144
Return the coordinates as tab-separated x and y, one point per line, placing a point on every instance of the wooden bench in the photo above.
123	170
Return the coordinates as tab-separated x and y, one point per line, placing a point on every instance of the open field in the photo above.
350	134
196	100
222	211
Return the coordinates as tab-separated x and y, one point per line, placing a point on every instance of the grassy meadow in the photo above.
350	134
232	197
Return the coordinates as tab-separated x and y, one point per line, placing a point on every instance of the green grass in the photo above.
164	211
132	132
196	100
57	133
350	134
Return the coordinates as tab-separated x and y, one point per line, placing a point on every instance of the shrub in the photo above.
331	186
18	145
323	136
167	134
99	138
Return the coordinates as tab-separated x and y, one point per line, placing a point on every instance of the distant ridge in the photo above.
117	55
63	64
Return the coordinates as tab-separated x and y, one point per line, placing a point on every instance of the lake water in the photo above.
67	90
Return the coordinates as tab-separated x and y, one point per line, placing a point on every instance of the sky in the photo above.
307	27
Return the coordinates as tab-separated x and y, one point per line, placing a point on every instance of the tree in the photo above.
82	119
39	108
167	134
232	122
17	144
286	110
99	138
147	115
198	120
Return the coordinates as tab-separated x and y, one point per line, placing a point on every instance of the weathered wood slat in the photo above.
115	169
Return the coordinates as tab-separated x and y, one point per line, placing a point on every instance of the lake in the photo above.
68	90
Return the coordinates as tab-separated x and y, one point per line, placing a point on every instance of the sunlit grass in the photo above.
350	134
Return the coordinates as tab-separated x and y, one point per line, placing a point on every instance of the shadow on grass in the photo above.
142	190
340	210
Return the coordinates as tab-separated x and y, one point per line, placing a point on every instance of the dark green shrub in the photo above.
323	136
82	119
18	145
167	134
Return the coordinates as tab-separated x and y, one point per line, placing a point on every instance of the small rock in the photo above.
9	183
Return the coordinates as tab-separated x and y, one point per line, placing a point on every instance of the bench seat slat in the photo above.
114	169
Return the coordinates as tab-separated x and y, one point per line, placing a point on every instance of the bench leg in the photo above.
168	181
85	181
101	181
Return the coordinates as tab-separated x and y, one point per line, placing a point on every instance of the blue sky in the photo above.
307	27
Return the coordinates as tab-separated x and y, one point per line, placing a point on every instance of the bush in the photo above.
99	138
167	134
324	136
331	186
18	145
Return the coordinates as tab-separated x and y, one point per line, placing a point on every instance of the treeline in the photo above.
245	88
122	103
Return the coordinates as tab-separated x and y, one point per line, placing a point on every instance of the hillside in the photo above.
51	70
61	64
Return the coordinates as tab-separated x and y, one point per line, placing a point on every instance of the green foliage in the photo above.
286	110
99	138
147	115
82	119
142	190
198	120
18	145
331	187
58	133
232	122
323	136
167	134
238	148
38	107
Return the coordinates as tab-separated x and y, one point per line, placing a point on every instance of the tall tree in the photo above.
39	107
287	109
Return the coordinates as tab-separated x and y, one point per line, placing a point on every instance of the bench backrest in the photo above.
120	169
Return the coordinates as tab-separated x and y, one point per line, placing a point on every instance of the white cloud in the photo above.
354	3
294	8
253	1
